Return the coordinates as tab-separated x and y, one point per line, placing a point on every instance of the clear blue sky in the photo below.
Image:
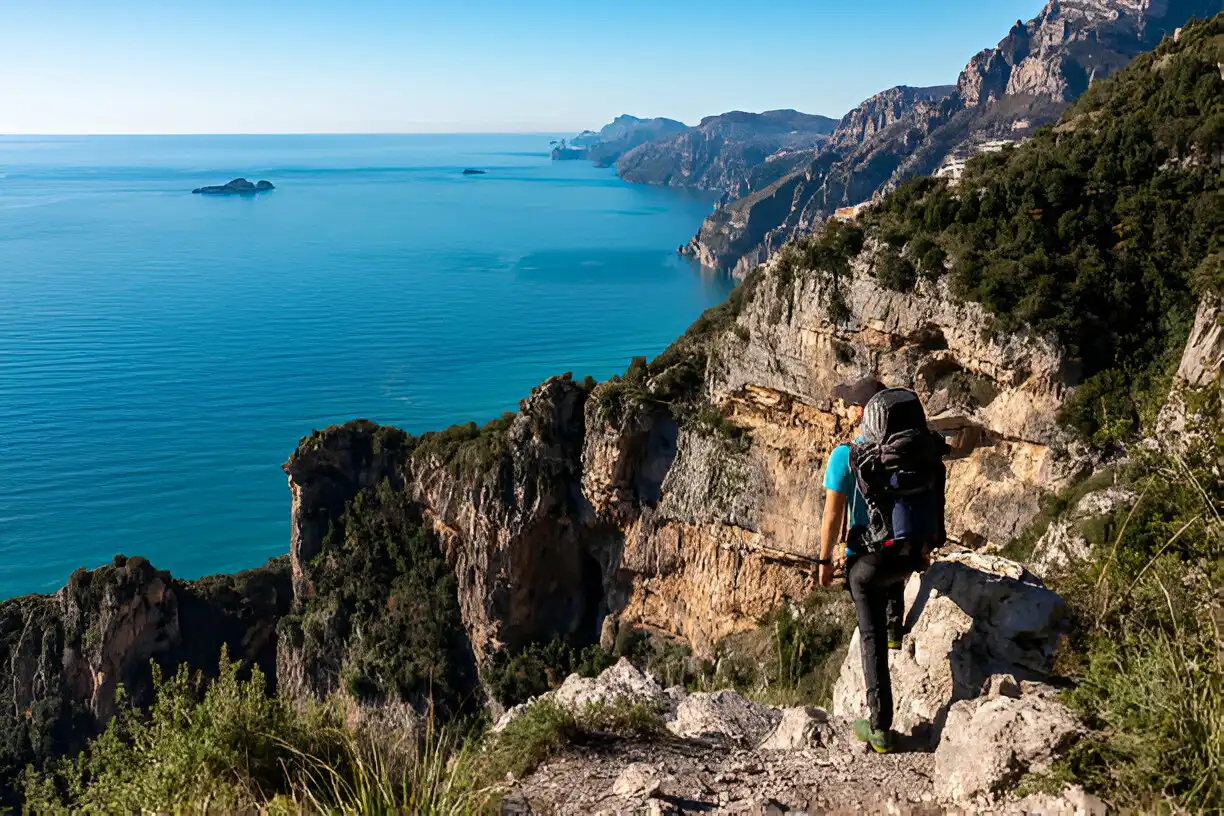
172	66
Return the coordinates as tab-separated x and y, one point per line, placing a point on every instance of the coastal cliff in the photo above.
1004	93
622	134
733	153
684	498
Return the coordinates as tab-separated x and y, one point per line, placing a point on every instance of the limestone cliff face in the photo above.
723	153
513	533
1005	92
66	654
877	113
1061	51
589	516
1201	369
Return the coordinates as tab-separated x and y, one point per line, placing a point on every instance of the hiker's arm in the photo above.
830	531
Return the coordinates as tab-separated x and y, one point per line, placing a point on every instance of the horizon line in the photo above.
4	135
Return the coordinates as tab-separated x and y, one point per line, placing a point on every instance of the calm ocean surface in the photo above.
162	353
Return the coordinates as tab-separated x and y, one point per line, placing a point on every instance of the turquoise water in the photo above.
162	353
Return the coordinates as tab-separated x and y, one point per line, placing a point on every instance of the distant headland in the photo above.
238	186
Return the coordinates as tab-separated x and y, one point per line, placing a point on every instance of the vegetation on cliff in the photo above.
381	619
1100	230
1146	652
228	745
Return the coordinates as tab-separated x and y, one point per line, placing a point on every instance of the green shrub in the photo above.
466	449
793	657
1145	650
227	746
895	272
538	668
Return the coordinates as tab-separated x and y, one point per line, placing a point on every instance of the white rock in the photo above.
798	728
1074	801
987	744
621	682
1062	544
971	616
722	715
637	780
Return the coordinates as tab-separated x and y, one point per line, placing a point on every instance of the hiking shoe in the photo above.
895	645
880	741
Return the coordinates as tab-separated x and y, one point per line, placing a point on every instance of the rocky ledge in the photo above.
238	186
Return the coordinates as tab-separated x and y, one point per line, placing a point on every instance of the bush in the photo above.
1145	652
227	746
895	272
545	729
538	668
466	449
795	654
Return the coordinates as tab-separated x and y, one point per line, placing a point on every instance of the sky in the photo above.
449	66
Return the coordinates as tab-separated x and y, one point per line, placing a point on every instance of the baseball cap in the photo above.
858	392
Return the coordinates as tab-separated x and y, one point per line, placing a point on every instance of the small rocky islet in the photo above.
238	186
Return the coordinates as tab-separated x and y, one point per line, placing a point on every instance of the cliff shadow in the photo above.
641	472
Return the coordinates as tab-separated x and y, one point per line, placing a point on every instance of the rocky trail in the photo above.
826	773
975	713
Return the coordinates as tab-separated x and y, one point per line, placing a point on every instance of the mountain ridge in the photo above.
1005	92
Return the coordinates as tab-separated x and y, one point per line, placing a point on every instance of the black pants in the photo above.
877	585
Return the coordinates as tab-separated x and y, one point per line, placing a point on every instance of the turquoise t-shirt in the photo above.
837	476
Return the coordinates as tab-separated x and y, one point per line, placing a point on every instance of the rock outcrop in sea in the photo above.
238	186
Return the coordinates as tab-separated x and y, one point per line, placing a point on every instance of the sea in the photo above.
161	353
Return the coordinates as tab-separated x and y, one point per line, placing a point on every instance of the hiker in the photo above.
886	490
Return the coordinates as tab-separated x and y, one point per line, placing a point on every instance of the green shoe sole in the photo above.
880	741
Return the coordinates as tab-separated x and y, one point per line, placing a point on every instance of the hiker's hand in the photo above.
826	575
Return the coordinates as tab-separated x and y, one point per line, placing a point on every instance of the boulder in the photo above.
623	681
970	616
990	742
1074	801
722	715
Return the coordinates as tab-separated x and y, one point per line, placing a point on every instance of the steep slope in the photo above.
721	152
1006	92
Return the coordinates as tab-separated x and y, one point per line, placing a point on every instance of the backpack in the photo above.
899	469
